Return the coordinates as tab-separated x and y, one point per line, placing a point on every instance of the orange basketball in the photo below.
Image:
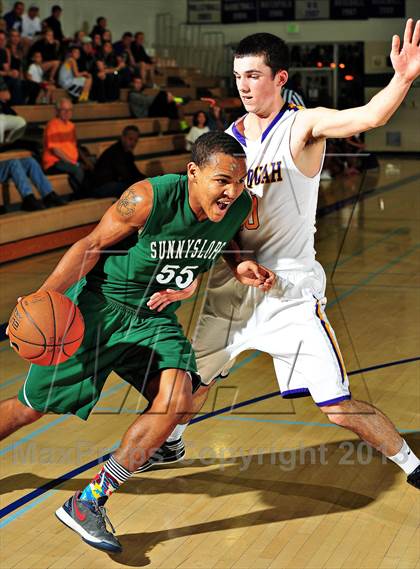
46	328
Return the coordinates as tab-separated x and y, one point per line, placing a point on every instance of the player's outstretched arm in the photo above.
124	217
329	123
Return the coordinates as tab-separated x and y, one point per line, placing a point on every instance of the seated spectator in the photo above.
13	18
100	27
199	127
78	38
10	76
31	24
122	46
144	62
108	78
87	59
35	74
25	89
49	49
87	62
107	36
116	169
61	154
97	45
138	101
14	45
161	104
12	127
217	119
4	56
76	83
122	50
23	171
54	24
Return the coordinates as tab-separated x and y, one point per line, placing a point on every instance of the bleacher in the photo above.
160	150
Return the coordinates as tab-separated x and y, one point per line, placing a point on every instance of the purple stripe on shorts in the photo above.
332	401
292	393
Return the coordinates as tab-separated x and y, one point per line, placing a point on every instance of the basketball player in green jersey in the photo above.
161	233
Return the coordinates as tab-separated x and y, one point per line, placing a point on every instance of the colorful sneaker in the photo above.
414	478
167	454
88	519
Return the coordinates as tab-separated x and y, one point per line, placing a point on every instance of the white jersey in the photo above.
280	230
288	322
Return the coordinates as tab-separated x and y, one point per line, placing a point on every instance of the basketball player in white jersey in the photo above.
285	149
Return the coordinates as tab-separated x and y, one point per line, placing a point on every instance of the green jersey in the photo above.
170	250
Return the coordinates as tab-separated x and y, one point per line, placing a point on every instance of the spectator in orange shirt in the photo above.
61	154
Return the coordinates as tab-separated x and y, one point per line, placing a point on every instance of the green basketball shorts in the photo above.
136	346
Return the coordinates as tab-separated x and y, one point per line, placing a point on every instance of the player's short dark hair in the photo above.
213	142
273	48
130	128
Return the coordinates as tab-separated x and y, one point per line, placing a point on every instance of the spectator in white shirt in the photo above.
199	127
35	74
31	23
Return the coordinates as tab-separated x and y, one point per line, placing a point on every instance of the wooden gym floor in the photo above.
270	484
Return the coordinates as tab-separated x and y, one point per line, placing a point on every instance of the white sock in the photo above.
177	433
405	459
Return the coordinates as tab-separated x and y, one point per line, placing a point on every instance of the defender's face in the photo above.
257	88
218	184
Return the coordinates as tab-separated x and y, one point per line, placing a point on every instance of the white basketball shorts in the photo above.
289	323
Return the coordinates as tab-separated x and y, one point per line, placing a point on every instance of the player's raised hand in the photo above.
160	300
406	59
251	273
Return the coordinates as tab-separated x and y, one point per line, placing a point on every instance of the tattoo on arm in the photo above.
126	205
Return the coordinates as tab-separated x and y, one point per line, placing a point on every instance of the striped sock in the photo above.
107	481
